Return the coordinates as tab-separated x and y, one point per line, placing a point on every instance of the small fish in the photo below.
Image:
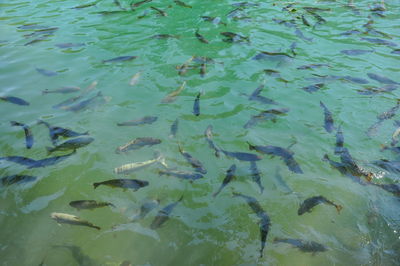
200	37
356	52
71	144
195	163
354	79
255	96
80	258
265	54
85	5
28	133
69	45
328	120
396	133
382	79
234	37
209	138
214	20
203	70
161	12
64	218
242	156
180	3
164	214
279	179
146	207
311	66
120	59
181	174
182	69
380	41
83	104
165	36
72	100
134	184
375	90
16	179
88	204
300	34
290	24
137	4
256	175
314	9
313	88
140	121
135	79
305	22
40	39
46	72
131	167
339	141
172	96
174	128
196	105
230	174
310	203
137	144
304	246
372	130
56	132
62	90
14	100
270	114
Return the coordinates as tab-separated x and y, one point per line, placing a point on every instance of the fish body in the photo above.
161	12
301	35
146	207
164	214
214	20
391	166
234	37
172	96
140	121
339	141
56	132
265	54
311	66
282	182
14	100
64	218
200	37
196	105
196	164
181	174
16	179
137	4
380	41
182	69
328	120
209	138
313	88
255	96
180	3
79	256
83	104
134	184
20	160
304	246
174	128
69	45
50	161
46	72
165	36
131	167
62	90
391	188
135	79
256	175
242	156
137	144
356	52
270	114
71	144
28	133
120	59
310	203
381	79
305	22
230	174
88	204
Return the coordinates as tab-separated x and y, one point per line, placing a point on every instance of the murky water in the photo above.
202	230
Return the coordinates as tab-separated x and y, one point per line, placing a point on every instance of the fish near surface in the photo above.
14	100
160	12
270	114
196	164
230	174
134	184
174	128
84	104
180	174
64	218
200	37
141	121
339	140
255	96
120	59
46	72
196	105
16	179
78	255
183	4
131	167
209	138
310	203
62	90
256	175
50	161
28	133
356	52
71	144
172	96
391	166
56	132
372	130
234	37
304	246
137	144
380	41
381	79
164	214
313	88
89	204
145	208
391	188
242	156
328	120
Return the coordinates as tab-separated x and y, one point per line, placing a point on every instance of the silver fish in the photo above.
132	167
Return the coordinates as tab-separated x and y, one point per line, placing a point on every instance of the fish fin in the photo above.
95	185
338	208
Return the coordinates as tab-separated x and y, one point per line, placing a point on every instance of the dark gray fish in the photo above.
313	88
282	182
89	204
161	12
137	144
40	39
356	52
43	33
84	104
50	161
381	79
133	184
180	3
69	45
19	160
328	120
200	37
56	132
288	23
28	133
256	175
203	70
118	4
255	96
230	174
339	140
181	174
351	32
71	144
46	72
355	80
195	163
375	90
80	258
349	168
164	214
137	4
304	20
85	5
310	203
304	246
242	156
165	36
140	121
120	59
114	12
62	90
196	105
245	4
264	55
266	115
146	207
395	51
32	26
14	100
208	134
16	179
174	128
391	188
300	34
380	41
391	166
234	37
311	66
372	130
315	9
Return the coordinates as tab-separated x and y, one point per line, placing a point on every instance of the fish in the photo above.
354	79
180	3
288	23
311	66
46	72
120	59
349	168
242	156
396	133
85	5
134	184
214	20
50	161
76	98
375	90
56	132
209	138
285	154
62	90
118	4
196	105
172	96
281	182
81	258
20	160
270	114
234	37
200	37
89	204
230	174
356	52
304	246
391	166
64	218
395	51
180	174
83	104
265	54
391	188
339	141
313	88
145	208
69	45
135	79
314	9
137	4
131	167
165	36
14	100
161	12
310	203
137	144
195	163
182	69
174	128
245	4
379	41
372	130
304	20
265	221
301	35
255	96
71	144
40	39
203	70
256	175
32	26
328	120
28	133
164	214
113	12
140	121
381	79
16	179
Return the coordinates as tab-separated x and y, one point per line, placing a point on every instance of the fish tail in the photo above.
338	208
95	185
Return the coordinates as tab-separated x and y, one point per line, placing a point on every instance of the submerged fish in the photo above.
382	117
72	100
279	179
200	37
56	132
255	175
356	52
234	37
62	90
395	134
146	207
301	35
69	45
165	36
310	203
85	5
79	256
265	54
71	144
46	72
89	204
196	164
164	214
270	114
137	4
28	133
242	156
131	167
50	161
313	88
380	41
64	218
196	105
328	120
391	166
120	59
181	174
255	96
135	79
137	144
381	79
304	246
391	188
140	121
174	128
376	90
14	100
230	174
83	104
161	12
311	66
209	138
172	96
134	184
182	69
214	20
16	179
339	141
20	160
180	3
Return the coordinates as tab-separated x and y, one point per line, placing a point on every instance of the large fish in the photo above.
310	203
164	214
131	167
304	246
56	132
137	144
134	184
14	100
89	204
141	121
195	163
230	174
71	144
64	218
328	120
28	133
255	96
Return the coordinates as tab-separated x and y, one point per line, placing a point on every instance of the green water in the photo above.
202	230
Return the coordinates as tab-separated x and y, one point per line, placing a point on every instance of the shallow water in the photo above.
202	230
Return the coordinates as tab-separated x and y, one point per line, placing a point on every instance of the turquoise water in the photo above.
202	230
